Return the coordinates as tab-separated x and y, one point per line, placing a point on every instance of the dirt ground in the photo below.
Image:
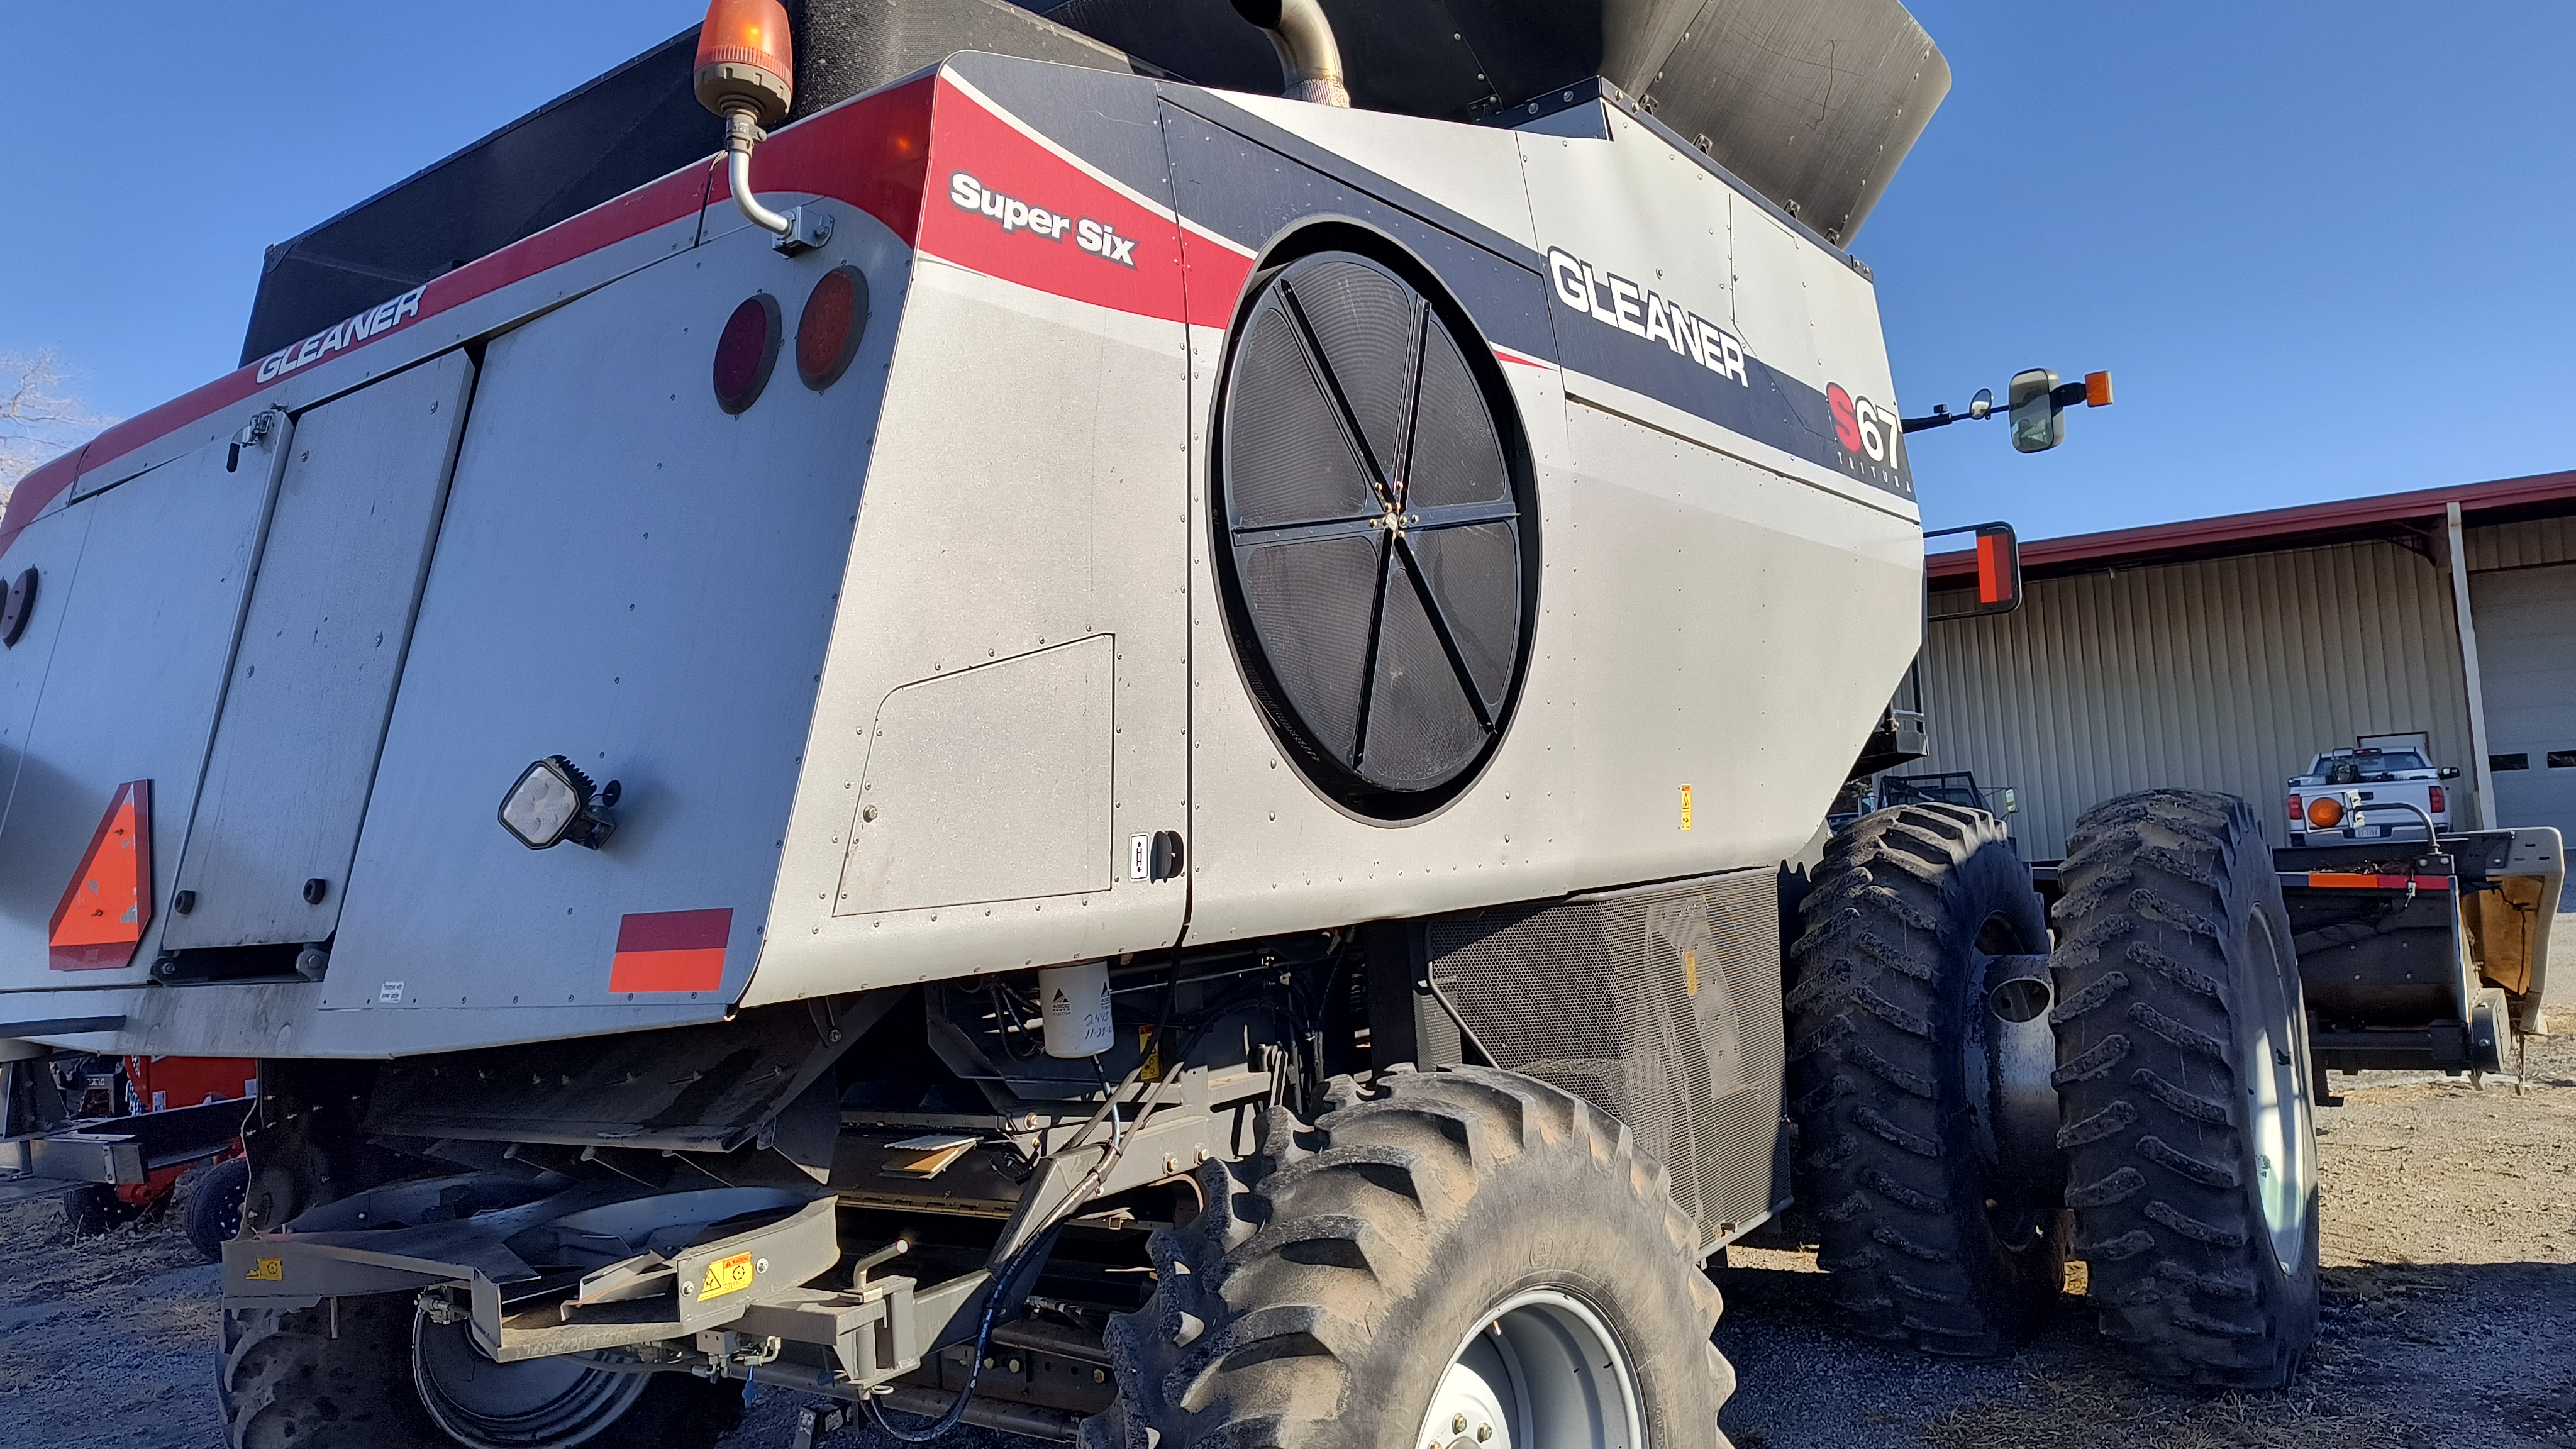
2449	1314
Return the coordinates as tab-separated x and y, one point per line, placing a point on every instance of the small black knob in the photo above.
184	902
315	889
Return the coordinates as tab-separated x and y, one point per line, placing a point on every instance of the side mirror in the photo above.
2038	423
2038	401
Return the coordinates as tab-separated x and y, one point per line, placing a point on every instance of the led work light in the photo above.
553	802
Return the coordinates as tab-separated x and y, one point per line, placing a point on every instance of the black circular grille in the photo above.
1376	533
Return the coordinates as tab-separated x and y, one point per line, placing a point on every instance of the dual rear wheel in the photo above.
2183	1160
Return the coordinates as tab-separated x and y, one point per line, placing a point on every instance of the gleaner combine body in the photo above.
1173	740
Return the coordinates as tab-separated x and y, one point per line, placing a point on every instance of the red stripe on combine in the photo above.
870	153
1004	169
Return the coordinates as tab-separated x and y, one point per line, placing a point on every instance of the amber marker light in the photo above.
745	58
2097	389
2325	812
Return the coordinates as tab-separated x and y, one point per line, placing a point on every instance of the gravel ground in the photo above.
2449	1300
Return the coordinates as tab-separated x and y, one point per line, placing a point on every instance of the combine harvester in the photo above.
1072	751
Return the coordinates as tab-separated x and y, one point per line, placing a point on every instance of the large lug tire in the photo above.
1930	1237
1466	1245
320	1378
2183	1085
372	1374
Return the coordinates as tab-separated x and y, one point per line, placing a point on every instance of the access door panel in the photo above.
330	617
142	612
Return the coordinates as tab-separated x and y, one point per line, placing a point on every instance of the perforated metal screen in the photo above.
1660	1006
1373	532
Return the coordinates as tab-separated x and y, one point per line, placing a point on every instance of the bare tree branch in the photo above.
39	419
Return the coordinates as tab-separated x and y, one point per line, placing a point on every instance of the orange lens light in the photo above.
746	58
2325	812
2097	389
747	32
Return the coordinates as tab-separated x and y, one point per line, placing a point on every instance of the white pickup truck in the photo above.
2385	780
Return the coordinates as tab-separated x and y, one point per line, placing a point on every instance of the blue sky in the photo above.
2324	248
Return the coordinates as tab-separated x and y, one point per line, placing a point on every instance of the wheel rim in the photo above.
556	1402
1542	1371
2278	1108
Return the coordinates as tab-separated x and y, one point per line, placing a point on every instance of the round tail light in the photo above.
746	352
2325	812
829	329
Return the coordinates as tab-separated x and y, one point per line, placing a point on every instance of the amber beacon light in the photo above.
747	74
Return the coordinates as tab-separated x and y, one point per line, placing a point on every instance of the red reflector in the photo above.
2438	801
828	332
109	902
746	352
670	951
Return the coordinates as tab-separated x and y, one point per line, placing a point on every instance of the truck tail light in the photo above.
2437	800
828	332
2325	812
2297	812
745	352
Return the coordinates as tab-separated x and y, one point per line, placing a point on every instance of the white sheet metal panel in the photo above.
1473	169
1633	206
628	576
1028	487
2227	674
145	634
1018	750
2526	620
330	614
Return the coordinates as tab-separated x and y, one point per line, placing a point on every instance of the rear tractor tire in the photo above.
1454	1258
1935	1230
2183	1081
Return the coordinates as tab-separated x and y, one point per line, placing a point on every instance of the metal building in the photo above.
2223	653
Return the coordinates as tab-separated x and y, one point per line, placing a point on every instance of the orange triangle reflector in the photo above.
109	901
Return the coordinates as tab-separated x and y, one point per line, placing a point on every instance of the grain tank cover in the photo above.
1813	103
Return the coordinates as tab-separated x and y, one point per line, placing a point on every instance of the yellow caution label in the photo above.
1153	1051
1690	973
267	1270
726	1275
1686	807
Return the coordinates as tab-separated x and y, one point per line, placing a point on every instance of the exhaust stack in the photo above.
1309	58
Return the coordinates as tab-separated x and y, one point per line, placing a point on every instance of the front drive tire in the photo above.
1930	1236
1460	1245
2183	1087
